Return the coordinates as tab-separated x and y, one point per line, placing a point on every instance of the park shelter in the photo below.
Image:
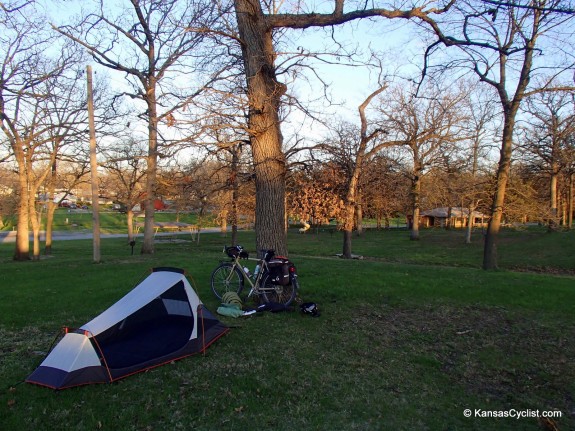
161	320
455	217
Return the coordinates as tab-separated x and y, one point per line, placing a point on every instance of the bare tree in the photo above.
126	165
502	44
547	141
218	183
352	150
257	27
39	104
157	44
226	142
480	129
229	194
428	126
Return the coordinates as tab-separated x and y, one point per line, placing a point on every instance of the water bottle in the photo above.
256	271
247	271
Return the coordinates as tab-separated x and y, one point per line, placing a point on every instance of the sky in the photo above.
396	41
350	85
354	84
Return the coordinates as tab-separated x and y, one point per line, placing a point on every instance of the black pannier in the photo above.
279	270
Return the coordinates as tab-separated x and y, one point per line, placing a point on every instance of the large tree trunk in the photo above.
353	210
347	244
494	226
130	221
22	246
152	163
348	228
359	214
510	108
264	94
50	210
350	208
224	214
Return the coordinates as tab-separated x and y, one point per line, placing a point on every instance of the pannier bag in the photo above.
280	268
235	251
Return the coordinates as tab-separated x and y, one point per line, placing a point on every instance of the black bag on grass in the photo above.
279	270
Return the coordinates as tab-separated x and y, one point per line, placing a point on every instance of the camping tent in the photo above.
160	320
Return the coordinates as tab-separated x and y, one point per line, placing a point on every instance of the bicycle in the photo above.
274	278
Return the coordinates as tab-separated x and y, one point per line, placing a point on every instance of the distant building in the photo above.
457	218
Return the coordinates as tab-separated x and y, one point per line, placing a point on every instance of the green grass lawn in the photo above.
408	338
115	222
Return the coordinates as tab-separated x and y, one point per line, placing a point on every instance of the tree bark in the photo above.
494	226
22	245
50	210
348	221
224	214
470	222
264	95
353	211
152	166
28	183
130	220
346	244
359	213
510	108
265	92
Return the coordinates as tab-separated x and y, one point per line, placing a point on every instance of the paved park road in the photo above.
10	237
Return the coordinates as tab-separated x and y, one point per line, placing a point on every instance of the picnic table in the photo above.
171	226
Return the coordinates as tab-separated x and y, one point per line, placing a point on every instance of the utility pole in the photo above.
94	170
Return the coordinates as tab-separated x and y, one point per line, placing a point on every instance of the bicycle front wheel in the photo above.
281	294
226	278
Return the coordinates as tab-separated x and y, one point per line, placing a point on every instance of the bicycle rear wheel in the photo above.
226	278
277	293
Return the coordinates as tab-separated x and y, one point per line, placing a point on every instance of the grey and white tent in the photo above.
161	320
